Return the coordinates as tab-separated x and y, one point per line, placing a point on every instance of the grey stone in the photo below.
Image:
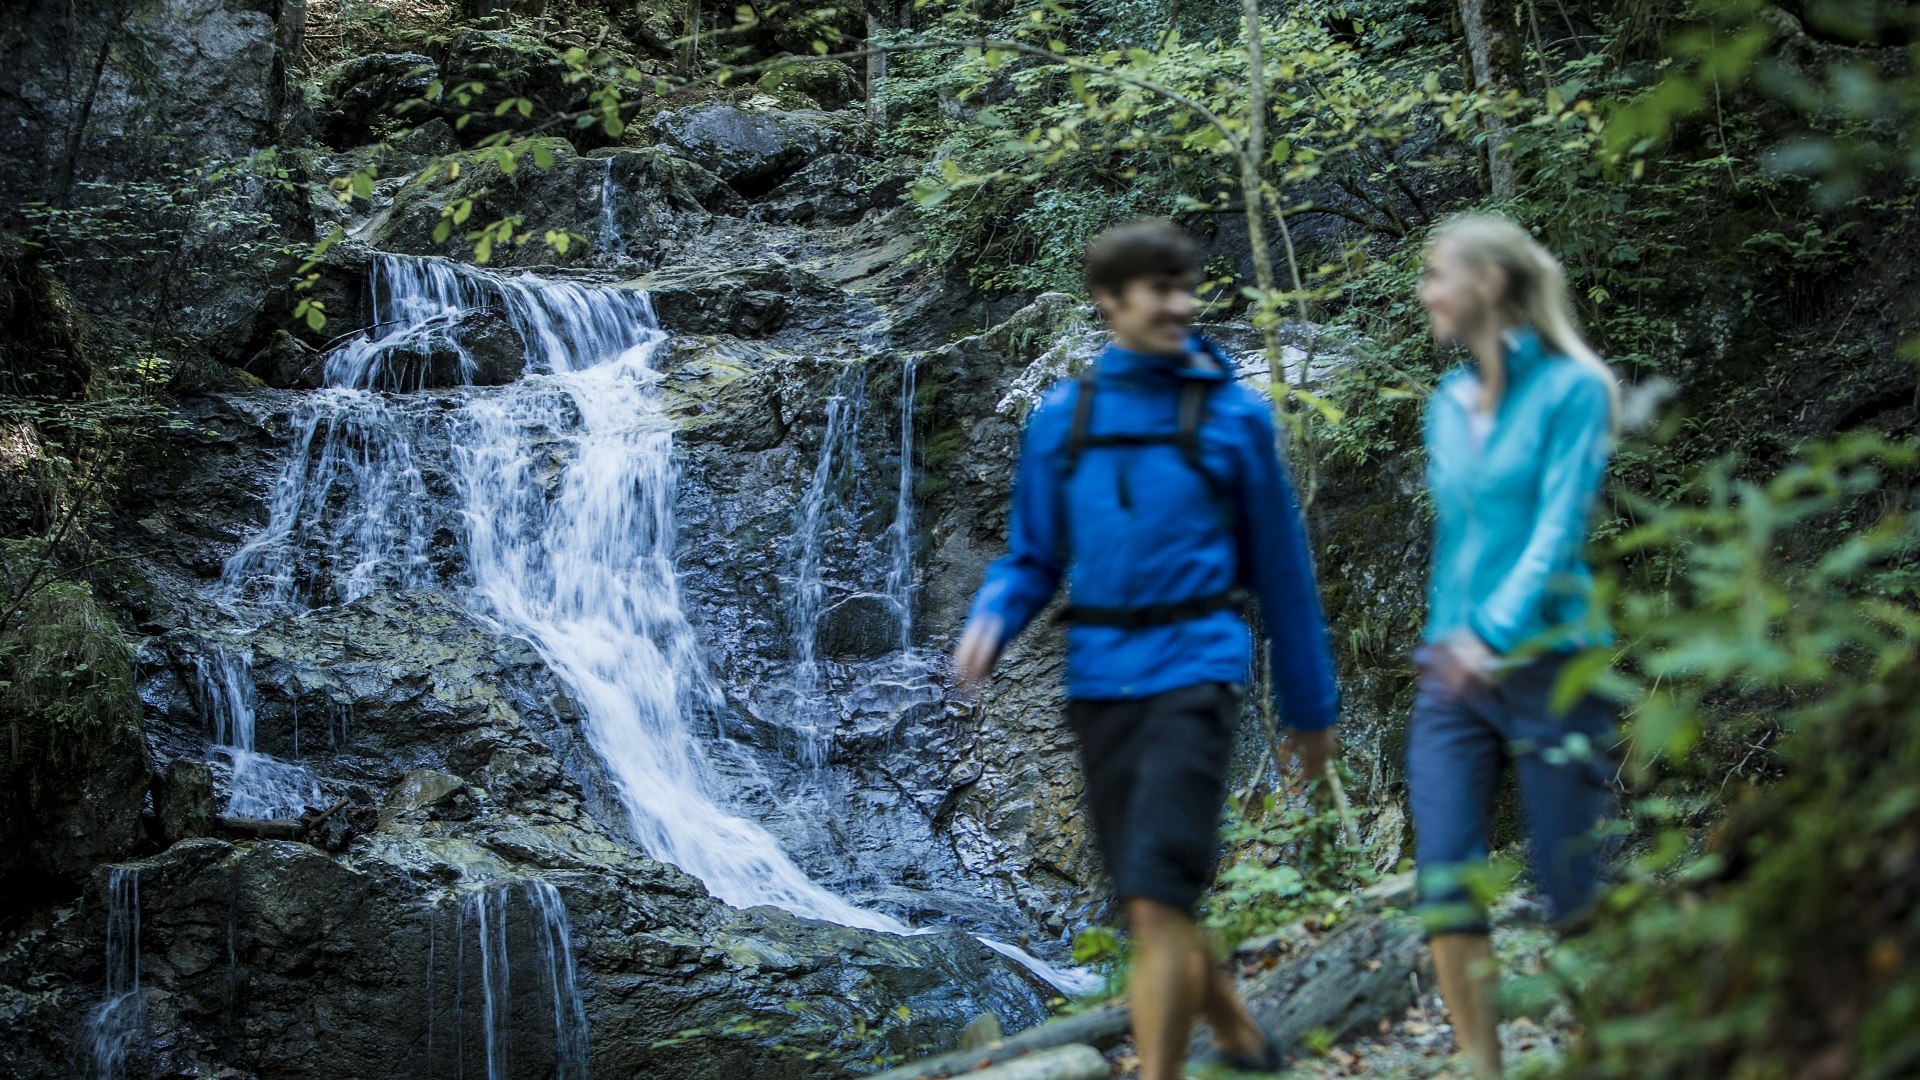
830	84
751	149
832	189
749	301
184	800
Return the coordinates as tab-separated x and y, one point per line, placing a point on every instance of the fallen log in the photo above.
278	828
1076	1061
1357	974
1100	1026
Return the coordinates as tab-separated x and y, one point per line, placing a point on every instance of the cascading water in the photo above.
900	533
488	913
260	785
566	482
569	1013
808	712
610	241
118	1019
347	514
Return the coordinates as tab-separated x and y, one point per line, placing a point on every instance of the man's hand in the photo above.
978	651
1313	750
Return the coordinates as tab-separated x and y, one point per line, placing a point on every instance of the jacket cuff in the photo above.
1497	642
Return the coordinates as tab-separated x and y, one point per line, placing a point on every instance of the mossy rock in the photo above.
73	765
646	195
830	84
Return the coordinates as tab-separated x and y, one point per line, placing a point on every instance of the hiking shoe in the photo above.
1268	1060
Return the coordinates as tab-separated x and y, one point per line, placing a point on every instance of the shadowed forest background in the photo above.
489	487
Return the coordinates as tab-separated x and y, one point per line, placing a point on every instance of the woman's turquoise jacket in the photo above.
1513	502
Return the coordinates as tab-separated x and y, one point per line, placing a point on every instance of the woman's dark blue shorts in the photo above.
1457	748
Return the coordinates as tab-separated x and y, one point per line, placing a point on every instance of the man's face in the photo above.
1150	314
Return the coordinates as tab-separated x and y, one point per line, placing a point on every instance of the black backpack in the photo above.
1193	408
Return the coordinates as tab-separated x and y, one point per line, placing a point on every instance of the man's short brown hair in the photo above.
1140	249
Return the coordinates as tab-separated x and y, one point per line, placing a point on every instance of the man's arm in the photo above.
1279	569
1018	585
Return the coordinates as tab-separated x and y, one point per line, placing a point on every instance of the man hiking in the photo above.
1152	486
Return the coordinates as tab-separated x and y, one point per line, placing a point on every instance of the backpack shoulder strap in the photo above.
1193	408
1082	419
1193	411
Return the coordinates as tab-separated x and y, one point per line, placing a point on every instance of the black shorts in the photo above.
1156	775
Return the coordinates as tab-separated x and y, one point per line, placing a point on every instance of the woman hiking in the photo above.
1517	445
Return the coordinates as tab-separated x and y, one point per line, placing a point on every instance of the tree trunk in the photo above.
1482	40
876	73
688	55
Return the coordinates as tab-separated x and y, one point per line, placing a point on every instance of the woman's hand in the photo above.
1459	662
978	651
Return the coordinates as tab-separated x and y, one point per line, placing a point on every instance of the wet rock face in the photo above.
626	202
753	150
207	79
276	959
749	301
829	190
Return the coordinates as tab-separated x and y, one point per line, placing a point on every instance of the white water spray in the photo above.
261	786
900	533
121	1015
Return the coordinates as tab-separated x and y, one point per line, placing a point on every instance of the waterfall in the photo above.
489	911
260	785
117	1021
348	511
569	1013
496	1005
809	713
610	240
900	533
565	487
566	483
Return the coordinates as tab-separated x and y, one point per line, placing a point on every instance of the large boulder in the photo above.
833	189
752	149
419	950
107	91
368	95
498	66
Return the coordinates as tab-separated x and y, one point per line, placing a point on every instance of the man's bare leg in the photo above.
1234	1028
1164	986
1173	978
1466	968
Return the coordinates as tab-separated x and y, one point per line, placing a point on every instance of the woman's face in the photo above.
1459	298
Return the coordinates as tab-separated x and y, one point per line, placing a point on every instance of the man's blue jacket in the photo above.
1135	526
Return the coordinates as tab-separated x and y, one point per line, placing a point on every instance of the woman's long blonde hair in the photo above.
1536	286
